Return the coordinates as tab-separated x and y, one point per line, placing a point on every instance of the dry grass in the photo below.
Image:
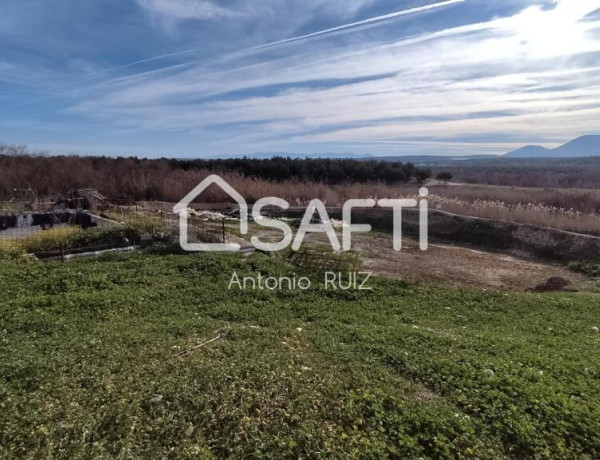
566	209
525	213
572	210
581	200
41	241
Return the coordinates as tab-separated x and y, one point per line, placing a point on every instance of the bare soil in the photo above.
459	266
449	265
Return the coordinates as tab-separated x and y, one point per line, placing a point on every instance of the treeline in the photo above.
325	171
547	173
23	175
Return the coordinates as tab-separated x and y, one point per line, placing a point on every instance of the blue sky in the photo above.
193	78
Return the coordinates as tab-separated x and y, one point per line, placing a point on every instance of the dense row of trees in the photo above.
23	174
326	171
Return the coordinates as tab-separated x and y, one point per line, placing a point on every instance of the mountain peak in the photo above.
529	151
584	146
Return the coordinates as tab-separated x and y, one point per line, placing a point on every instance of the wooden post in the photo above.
223	224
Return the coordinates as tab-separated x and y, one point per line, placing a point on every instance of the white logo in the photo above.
182	208
315	206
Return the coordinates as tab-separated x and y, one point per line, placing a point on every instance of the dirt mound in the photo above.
556	283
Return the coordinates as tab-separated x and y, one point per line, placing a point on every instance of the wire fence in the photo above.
203	226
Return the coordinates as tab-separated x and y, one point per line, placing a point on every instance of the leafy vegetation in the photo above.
87	366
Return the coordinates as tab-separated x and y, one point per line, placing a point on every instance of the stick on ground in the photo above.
200	345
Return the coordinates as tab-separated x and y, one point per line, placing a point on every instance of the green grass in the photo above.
587	268
403	371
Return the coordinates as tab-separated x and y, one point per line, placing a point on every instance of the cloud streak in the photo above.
186	9
364	22
241	52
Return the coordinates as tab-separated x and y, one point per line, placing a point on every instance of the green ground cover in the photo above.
402	371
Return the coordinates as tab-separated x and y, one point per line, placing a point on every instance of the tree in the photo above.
423	174
444	176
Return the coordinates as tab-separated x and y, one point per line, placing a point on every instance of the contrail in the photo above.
287	40
132	64
365	22
360	23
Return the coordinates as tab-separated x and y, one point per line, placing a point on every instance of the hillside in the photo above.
529	151
585	146
580	147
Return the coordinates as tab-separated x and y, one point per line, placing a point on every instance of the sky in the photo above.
200	78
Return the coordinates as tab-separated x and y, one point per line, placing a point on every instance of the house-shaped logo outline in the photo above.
181	208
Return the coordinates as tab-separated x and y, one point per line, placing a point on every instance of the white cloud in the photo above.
521	76
293	12
186	9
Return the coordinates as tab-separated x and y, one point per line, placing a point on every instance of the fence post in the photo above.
223	224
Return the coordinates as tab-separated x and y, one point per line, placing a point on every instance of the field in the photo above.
405	370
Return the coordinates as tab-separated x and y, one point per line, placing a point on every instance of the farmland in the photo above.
405	370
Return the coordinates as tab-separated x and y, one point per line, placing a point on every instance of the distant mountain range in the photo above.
584	146
433	160
268	155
